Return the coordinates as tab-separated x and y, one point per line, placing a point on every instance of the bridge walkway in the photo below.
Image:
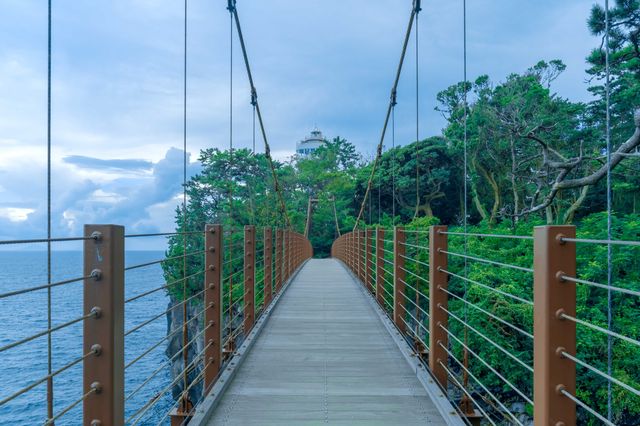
325	356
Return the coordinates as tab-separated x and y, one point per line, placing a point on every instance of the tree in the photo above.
395	181
624	20
341	153
328	176
530	151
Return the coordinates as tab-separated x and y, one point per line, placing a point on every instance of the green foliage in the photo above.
520	137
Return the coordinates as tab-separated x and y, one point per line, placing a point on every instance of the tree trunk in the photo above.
514	189
549	214
496	192
568	217
477	203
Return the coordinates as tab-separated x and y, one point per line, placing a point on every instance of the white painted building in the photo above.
309	144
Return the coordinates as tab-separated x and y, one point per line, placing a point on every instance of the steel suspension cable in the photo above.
230	118
609	233
267	149
379	197
230	7
390	107
49	347
393	164
185	330
335	216
418	9
253	104
465	185
370	210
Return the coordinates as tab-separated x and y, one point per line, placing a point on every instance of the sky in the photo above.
117	91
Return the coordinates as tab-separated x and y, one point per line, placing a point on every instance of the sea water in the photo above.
26	314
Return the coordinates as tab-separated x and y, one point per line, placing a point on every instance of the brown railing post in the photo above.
290	248
343	248
552	334
284	257
285	251
249	277
279	272
379	265
289	253
354	248
368	262
103	334
438	299
347	254
352	254
297	251
350	249
213	303
294	251
347	250
354	264
399	301
362	257
268	266
356	253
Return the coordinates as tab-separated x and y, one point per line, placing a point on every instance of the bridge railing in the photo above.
220	280
477	320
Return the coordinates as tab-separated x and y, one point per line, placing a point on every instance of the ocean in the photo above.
26	314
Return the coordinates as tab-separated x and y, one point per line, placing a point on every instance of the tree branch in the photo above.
560	183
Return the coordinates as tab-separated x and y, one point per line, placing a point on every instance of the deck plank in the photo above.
325	357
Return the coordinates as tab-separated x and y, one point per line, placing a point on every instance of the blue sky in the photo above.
117	88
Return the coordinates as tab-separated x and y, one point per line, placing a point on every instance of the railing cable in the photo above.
461	365
489	314
466	392
94	313
493	370
171	284
392	103
494	344
487	261
254	93
606	331
495	290
94	351
94	274
584	406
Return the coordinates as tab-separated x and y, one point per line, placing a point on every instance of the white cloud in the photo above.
15	214
117	87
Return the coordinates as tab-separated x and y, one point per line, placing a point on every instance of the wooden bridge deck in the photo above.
325	356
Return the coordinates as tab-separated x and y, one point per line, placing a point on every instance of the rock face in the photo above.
195	347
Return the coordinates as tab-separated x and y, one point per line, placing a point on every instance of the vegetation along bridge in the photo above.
522	309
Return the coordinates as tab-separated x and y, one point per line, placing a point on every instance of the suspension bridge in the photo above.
380	333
